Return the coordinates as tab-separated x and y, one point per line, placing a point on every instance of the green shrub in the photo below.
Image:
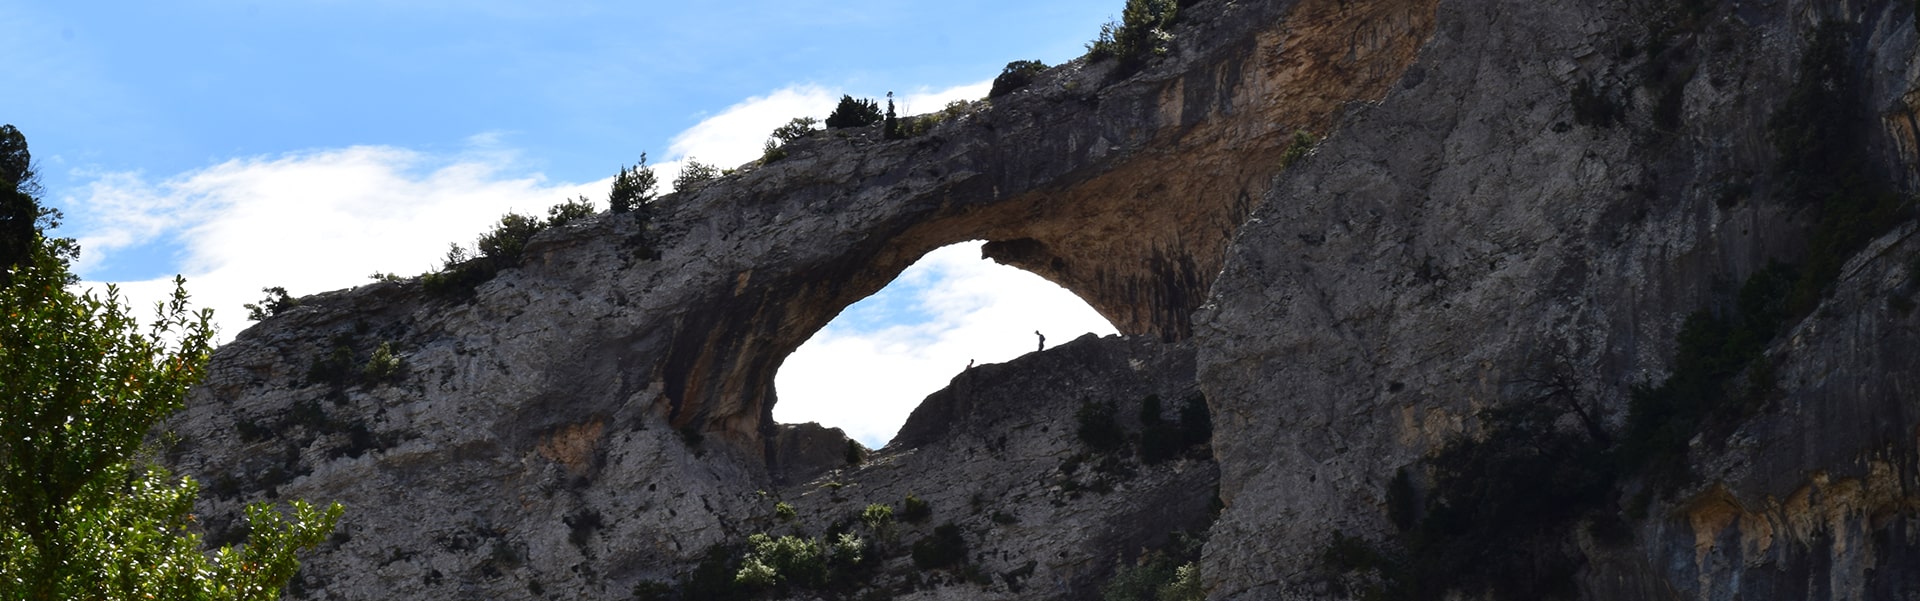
1297	149
577	208
944	548
383	364
275	303
799	127
784	512
1156	577
853	112
855	453
1144	31
633	188
716	577
507	241
775	148
914	511
1016	75
782	563
694	173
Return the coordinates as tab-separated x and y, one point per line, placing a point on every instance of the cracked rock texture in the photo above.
1492	181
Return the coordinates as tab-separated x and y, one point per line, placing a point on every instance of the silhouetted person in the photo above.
1043	340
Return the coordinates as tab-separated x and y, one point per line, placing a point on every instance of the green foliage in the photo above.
498	249
878	517
1662	419
694	173
776	146
383	364
275	303
507	241
913	510
716	577
633	187
799	127
1156	577
891	129
781	565
946	547
784	512
1821	133
782	562
1014	76
855	453
1496	522
20	214
853	112
1097	428
572	210
81	384
1144	31
1301	145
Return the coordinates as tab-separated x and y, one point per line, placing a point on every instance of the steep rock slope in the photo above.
1443	243
1498	182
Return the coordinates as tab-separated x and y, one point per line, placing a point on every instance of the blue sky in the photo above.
308	143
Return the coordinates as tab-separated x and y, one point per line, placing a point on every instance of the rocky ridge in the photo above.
1497	182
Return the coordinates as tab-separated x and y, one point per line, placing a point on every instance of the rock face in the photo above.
1493	182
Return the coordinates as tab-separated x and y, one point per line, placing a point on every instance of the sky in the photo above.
310	143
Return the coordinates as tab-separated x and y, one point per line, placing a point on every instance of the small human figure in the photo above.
969	364
1043	340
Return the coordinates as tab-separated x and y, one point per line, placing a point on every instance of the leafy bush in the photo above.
775	148
383	364
577	208
1662	419
914	511
944	548
1143	32
1016	75
1302	144
784	512
275	303
877	516
1156	577
633	188
497	249
779	563
855	453
853	112
507	241
694	173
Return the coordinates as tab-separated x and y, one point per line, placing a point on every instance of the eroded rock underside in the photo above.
1505	203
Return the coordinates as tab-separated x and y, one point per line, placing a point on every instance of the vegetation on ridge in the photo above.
84	514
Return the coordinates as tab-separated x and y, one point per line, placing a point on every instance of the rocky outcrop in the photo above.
1493	183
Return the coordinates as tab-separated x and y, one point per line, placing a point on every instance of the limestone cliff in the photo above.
1493	182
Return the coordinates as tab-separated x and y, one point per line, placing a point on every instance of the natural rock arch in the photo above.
1128	197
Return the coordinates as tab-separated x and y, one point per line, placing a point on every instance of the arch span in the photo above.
1126	193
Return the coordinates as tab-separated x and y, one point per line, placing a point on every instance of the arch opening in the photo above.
873	364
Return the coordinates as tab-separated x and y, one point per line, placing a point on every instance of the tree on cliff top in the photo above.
853	112
81	385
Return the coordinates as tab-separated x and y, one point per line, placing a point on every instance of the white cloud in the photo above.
310	222
926	101
867	378
738	134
